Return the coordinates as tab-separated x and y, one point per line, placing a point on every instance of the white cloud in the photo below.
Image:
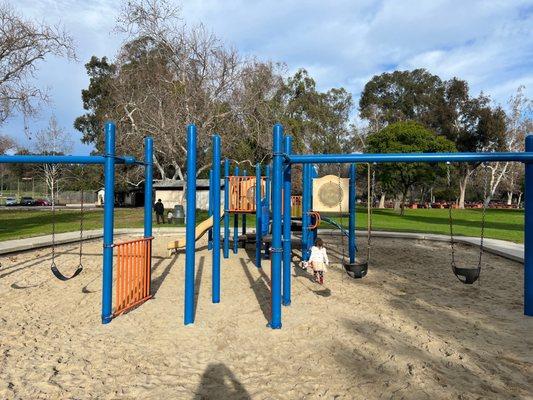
342	43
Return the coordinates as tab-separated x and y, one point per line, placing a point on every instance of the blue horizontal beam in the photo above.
36	159
407	157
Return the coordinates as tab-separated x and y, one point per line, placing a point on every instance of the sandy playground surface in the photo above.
409	330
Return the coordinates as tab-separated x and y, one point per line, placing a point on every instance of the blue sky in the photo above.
341	43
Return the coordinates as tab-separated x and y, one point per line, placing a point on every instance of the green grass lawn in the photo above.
22	223
500	224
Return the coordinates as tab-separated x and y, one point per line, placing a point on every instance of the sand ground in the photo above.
409	330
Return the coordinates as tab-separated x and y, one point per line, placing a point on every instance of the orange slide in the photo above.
200	231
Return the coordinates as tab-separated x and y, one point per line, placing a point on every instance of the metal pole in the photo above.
267	205
226	208
258	235
148	189
190	225
528	232
409	157
236	221
244	173
352	208
215	289
109	207
267	190
148	184
210	205
306	208
277	182
287	226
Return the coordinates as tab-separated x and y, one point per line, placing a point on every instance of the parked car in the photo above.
11	201
42	202
27	201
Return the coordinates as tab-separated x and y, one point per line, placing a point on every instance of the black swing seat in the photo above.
356	270
466	275
62	277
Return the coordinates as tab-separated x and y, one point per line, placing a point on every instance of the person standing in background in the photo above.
159	209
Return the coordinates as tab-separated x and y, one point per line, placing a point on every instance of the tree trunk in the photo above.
402	204
509	198
463	182
382	201
519	201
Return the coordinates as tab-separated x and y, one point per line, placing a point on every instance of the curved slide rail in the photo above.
200	231
335	224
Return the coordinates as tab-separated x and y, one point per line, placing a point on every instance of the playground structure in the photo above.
278	189
133	257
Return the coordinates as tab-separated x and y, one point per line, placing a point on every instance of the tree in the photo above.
23	44
407	137
519	123
168	75
317	120
400	96
53	140
6	144
443	106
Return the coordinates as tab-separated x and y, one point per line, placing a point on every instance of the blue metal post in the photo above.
277	186
148	184
306	207
287	226
267	201
244	173
109	208
268	182
528	232
313	173
258	236
148	190
352	208
236	222
210	211
190	225
216	220
226	208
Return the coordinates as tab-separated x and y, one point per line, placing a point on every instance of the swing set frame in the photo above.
108	160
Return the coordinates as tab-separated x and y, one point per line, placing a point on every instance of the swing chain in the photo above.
340	212
81	226
53	215
450	220
483	212
371	185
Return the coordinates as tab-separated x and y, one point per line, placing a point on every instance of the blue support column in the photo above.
148	184
236	222
287	226
109	208
306	208
352	208
226	208
258	236
244	173
277	186
215	289
313	173
268	182
190	225
528	232
148	190
210	209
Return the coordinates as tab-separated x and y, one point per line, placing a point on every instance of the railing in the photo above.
242	193
132	285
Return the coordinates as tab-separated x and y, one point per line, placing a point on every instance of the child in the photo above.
319	260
